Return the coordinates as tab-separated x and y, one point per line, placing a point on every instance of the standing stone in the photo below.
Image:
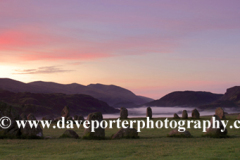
69	134
48	118
184	114
195	114
149	112
57	119
126	133
220	113
69	118
99	132
33	132
238	118
123	113
216	132
29	132
13	131
65	112
23	116
81	118
176	133
75	117
175	116
31	117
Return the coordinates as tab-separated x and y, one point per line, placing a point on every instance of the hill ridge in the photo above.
115	96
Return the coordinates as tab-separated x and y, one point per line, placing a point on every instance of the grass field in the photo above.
152	144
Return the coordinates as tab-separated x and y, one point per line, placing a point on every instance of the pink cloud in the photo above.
27	38
30	44
38	45
85	30
68	55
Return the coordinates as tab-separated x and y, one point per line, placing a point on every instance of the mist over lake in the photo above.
163	112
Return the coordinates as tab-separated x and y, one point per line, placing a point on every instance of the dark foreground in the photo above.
152	144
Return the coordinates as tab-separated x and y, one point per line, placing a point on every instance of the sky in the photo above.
150	47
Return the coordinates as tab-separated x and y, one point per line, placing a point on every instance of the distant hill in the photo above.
231	99
185	99
52	103
114	95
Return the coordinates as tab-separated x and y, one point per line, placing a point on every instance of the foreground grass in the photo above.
152	144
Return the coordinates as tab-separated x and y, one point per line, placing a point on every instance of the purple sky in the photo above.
150	47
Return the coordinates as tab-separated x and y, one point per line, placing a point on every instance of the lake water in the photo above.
161	112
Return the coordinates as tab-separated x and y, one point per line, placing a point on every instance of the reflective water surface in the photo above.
162	112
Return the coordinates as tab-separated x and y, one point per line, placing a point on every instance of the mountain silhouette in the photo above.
41	104
231	99
185	99
113	95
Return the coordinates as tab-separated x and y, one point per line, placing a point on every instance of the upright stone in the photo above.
65	112
238	118
69	134
31	117
149	112
123	113
220	113
99	132
126	133
23	116
184	114
176	133
69	118
175	116
213	131
13	131
195	114
75	117
48	118
29	132
81	118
